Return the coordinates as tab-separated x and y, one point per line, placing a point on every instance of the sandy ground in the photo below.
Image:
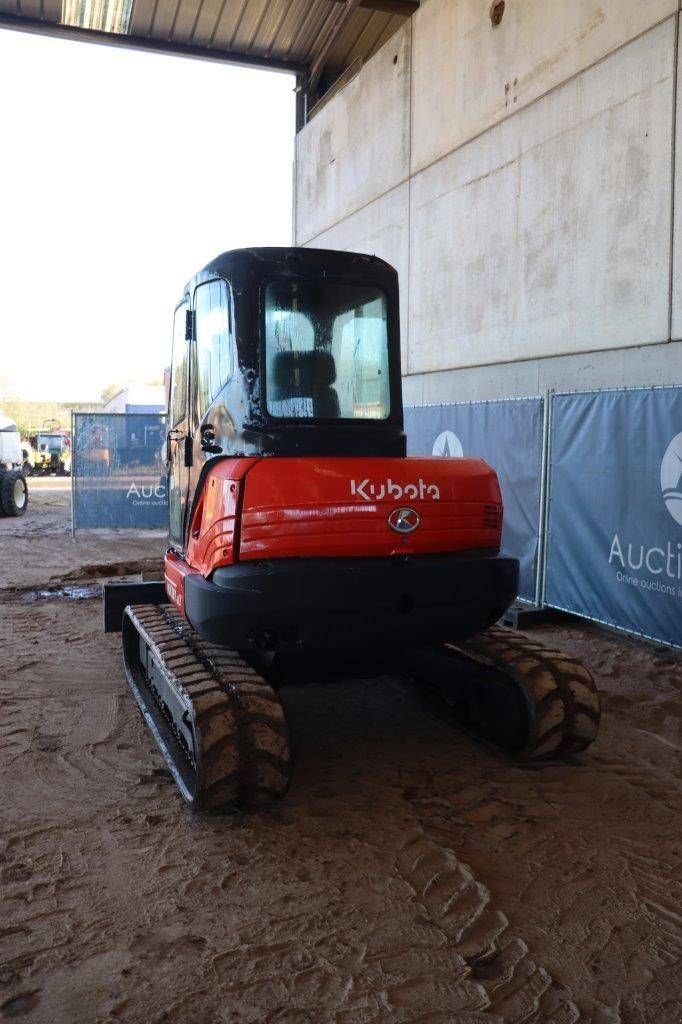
409	876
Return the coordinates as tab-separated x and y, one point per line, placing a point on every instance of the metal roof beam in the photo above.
247	60
331	31
405	8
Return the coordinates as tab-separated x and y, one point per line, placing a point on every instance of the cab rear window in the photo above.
326	350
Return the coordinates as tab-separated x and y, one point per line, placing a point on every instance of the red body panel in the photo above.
213	528
215	524
268	508
339	507
175	571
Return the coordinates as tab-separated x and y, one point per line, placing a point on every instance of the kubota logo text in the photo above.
368	490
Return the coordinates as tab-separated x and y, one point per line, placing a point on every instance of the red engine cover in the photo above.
340	507
257	508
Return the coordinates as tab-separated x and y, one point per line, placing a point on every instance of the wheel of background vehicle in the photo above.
13	493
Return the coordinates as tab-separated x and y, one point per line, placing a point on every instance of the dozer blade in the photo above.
219	725
513	692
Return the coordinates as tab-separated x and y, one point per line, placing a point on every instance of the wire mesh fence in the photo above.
118	471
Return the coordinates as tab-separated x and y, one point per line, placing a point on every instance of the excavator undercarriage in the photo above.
221	726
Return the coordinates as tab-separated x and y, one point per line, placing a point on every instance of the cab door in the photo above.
212	364
179	439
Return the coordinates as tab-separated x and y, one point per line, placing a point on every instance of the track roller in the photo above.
219	725
513	692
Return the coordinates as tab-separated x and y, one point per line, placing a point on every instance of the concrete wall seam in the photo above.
673	161
676	252
648	366
404	327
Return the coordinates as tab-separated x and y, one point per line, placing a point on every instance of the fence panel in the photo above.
509	436
614	542
119	477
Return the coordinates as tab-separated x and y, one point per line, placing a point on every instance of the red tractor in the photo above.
300	533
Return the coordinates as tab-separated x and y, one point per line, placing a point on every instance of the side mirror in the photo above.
208	441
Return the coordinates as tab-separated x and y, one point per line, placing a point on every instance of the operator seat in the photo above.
297	376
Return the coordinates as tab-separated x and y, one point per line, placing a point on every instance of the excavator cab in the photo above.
286	352
297	523
301	533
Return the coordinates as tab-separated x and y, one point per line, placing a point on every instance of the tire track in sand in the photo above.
518	988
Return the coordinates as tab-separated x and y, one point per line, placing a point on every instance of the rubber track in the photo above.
240	732
560	692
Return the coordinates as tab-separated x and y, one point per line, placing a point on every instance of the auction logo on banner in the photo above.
448	445
671	478
664	564
147	494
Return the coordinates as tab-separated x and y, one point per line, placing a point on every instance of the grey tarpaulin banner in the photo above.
118	469
508	435
614	547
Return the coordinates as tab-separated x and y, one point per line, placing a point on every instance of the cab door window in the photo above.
213	319
179	362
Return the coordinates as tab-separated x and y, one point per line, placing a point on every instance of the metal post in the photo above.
539	568
73	474
301	101
545	496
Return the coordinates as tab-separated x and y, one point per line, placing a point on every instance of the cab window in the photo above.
178	386
213	341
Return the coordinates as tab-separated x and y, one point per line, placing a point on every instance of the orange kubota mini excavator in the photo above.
299	531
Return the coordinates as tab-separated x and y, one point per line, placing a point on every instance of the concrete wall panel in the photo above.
549	234
357	146
380	229
676	311
468	76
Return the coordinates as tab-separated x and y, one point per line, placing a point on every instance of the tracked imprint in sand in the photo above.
513	986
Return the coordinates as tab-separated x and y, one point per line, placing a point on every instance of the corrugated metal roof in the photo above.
293	35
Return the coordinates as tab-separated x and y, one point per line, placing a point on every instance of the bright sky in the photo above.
122	173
